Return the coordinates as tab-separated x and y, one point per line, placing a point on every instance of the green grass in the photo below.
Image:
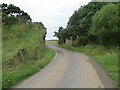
107	58
19	37
14	74
27	37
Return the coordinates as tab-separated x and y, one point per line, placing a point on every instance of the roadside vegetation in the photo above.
12	74
23	45
93	29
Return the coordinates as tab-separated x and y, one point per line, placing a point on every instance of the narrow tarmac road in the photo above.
67	70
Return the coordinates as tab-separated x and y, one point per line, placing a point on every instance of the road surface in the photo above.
67	70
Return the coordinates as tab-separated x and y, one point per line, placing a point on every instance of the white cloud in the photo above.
53	13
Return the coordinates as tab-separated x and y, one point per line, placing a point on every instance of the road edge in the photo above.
104	77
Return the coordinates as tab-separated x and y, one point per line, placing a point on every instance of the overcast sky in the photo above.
52	13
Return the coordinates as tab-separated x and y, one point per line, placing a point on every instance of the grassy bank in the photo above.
107	58
20	36
23	52
15	73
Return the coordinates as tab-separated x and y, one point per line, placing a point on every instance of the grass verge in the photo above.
15	73
107	58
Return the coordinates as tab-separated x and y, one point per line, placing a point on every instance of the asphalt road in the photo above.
67	70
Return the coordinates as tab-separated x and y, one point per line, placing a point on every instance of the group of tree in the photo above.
93	23
12	14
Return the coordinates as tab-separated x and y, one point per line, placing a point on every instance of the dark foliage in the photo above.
93	23
12	14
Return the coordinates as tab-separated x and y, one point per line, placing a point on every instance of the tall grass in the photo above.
22	36
17	37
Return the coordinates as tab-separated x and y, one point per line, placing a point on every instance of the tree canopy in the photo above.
12	13
93	23
105	25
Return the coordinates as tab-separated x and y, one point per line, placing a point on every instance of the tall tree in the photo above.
60	35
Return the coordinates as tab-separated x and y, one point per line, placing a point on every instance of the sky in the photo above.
52	13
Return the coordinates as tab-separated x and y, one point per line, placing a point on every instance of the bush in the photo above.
105	25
